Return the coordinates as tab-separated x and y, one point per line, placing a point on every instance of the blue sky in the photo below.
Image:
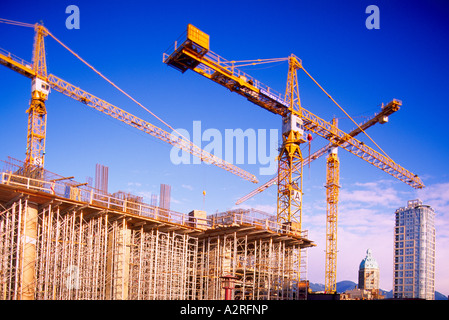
405	59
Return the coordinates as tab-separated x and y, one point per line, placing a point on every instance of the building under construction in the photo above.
60	239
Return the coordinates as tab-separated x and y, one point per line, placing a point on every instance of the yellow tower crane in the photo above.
37	113
332	189
191	51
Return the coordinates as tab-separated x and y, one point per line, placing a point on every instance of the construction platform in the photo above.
63	240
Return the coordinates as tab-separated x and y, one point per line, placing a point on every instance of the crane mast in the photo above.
37	112
332	191
290	165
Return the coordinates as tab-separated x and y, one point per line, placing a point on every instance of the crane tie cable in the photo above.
16	23
112	83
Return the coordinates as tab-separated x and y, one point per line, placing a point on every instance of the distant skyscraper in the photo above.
154	200
414	252
369	273
164	197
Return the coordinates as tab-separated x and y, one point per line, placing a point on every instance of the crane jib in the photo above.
273	97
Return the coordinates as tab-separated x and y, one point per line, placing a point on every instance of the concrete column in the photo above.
118	260
27	263
123	263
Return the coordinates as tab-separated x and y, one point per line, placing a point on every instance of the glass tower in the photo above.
414	252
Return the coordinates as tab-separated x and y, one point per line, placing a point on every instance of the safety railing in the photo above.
175	46
258	219
254	218
233	70
228	66
13	57
94	197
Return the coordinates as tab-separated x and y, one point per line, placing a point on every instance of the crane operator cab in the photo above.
40	87
293	123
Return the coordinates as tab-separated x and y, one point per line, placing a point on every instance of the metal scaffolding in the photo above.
266	267
163	265
57	244
95	259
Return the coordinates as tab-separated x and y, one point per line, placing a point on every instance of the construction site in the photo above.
61	239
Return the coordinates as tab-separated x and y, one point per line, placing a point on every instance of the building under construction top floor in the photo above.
60	239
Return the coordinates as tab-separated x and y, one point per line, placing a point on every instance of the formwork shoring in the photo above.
265	267
92	259
265	270
55	246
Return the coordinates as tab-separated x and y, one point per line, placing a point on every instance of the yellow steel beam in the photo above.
332	190
352	145
16	64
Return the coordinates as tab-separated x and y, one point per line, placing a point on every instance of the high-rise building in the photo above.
414	252
369	274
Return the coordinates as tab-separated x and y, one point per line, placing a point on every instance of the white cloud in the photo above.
135	184
187	186
437	196
377	193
